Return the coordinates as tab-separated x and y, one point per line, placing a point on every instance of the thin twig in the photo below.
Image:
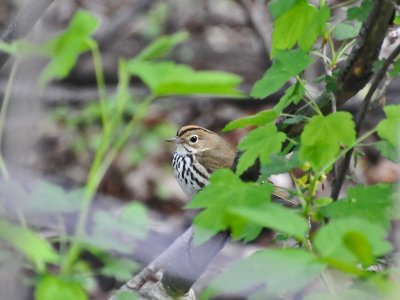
337	185
357	69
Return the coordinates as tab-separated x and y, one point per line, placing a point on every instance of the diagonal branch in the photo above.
182	263
338	182
357	70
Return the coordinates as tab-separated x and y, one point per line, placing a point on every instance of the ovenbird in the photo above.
198	153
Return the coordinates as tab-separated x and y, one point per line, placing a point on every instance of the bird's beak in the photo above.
175	140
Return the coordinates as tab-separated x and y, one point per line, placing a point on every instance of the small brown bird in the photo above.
198	153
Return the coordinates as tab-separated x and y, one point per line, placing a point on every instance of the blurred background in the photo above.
53	131
50	134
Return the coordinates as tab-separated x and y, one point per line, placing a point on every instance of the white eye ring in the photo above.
193	139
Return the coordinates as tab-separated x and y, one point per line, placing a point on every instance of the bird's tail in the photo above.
284	196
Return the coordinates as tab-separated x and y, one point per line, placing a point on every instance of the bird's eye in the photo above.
193	139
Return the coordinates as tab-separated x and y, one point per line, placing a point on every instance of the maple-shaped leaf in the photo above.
322	137
302	24
286	65
389	128
225	191
261	143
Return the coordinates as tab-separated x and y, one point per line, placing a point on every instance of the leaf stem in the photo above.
94	177
345	151
338	182
300	194
96	174
101	86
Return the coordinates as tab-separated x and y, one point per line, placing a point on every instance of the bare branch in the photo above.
183	261
357	70
338	182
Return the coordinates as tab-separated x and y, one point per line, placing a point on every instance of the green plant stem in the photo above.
292	141
361	115
312	187
343	152
310	101
96	174
326	59
93	180
3	114
332	48
300	194
139	114
122	95
292	116
343	48
101	86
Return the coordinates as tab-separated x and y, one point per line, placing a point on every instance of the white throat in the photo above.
180	149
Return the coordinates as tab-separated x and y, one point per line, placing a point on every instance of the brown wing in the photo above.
213	160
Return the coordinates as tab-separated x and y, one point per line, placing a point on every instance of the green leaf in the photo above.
9	48
261	142
133	220
225	191
292	95
271	215
389	128
345	31
23	48
280	164
396	20
351	293
388	151
322	137
322	202
258	119
395	70
361	12
360	246
120	268
168	78
132	223
154	20
43	198
371	287
50	198
281	272
65	48
162	46
374	203
29	243
279	7
287	64
294	120
51	287
330	239
301	24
